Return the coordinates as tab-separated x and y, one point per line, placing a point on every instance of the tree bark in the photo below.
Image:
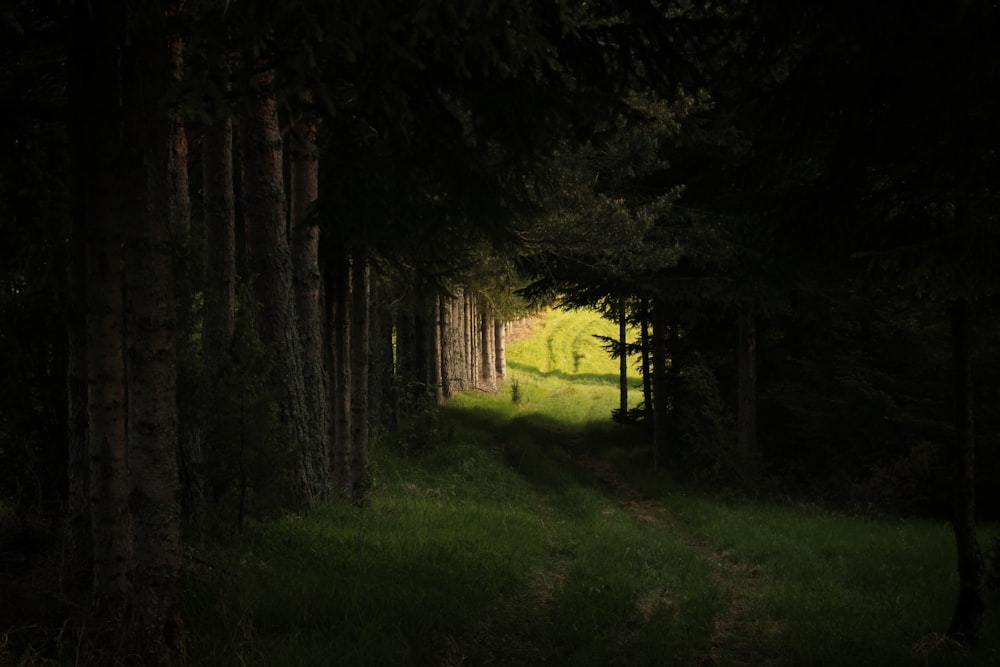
967	620
96	93
304	167
622	362
500	345
447	345
647	378
78	550
746	445
270	266
660	389
154	625
341	290
220	245
359	381
487	366
436	377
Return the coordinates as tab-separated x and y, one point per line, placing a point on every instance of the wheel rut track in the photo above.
737	627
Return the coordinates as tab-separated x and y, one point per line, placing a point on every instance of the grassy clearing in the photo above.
520	539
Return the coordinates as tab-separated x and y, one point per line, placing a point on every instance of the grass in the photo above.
521	539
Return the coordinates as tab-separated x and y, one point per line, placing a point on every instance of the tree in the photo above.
270	264
304	178
155	628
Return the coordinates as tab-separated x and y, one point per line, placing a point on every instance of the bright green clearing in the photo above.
517	537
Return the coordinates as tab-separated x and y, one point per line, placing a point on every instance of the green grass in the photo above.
519	540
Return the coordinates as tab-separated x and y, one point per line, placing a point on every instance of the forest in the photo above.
250	249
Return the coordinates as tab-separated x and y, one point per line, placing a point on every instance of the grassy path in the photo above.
563	375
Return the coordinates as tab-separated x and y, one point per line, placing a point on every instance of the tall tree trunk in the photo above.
220	248
647	377
622	361
447	345
500	345
270	266
78	550
304	167
342	293
436	347
487	366
660	389
219	319
154	625
381	366
966	623
746	445
96	89
359	381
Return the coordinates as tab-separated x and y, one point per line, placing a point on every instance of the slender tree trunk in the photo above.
154	627
647	377
308	299
436	347
447	345
500	345
381	370
270	265
660	389
472	340
97	88
220	248
359	381
622	361
342	293
78	552
966	623
746	446
487	366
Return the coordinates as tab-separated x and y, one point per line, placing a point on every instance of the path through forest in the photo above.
571	359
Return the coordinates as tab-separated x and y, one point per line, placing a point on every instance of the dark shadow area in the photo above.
587	378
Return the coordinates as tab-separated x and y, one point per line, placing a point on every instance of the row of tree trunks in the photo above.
123	460
448	343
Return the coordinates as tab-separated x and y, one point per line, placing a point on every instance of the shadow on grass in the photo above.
581	378
542	449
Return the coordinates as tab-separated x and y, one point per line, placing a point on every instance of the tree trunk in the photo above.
304	169
966	623
341	292
447	345
96	93
746	445
270	267
220	246
78	550
154	624
359	381
660	390
381	369
647	378
500	346
622	362
436	347
488	362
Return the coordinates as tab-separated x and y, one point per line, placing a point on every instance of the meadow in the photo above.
527	528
